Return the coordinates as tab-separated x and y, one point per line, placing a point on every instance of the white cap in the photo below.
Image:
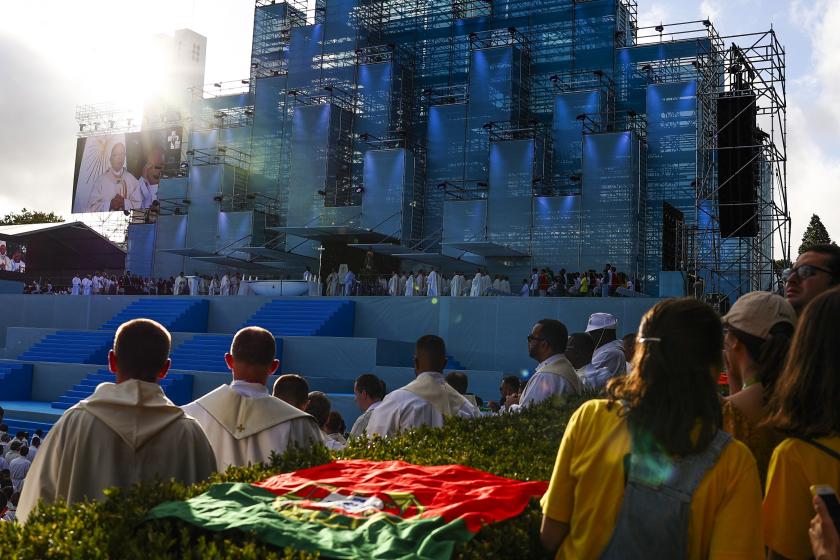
601	321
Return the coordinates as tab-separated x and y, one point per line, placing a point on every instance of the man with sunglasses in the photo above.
815	271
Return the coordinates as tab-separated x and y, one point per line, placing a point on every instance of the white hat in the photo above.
601	321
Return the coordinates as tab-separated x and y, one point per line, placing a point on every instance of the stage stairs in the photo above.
176	314
306	317
71	347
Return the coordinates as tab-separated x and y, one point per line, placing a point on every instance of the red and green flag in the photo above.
362	509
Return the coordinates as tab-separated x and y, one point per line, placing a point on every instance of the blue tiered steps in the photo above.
15	381
177	386
176	314
27	426
204	353
71	347
306	317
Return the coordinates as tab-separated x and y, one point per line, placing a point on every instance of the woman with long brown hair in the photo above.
805	406
648	472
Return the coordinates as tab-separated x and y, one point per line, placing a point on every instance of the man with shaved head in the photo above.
243	422
427	400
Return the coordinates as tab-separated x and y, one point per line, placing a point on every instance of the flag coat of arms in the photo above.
362	509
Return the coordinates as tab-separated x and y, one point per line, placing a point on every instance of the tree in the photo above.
815	234
30	217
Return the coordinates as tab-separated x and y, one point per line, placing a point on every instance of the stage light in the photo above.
660	28
631	113
322	192
482	184
219	197
575	178
251	196
328	88
554	78
184	165
647	68
246	82
707	23
359	190
186	201
127	212
218	84
441	185
581	117
190	152
598	73
255	65
511	30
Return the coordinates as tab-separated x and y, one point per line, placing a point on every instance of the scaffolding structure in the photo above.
343	92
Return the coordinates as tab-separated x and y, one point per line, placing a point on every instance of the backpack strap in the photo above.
821	447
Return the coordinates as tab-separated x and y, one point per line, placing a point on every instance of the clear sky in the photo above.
56	54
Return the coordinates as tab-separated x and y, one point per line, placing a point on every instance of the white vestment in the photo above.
506	286
608	361
77	286
401	287
393	285
456	285
97	284
87	284
497	285
245	424
192	285
108	185
120	435
224	286
475	287
432	283
485	284
409	285
420	285
360	425
179	282
524	290
214	287
332	284
426	401
308	276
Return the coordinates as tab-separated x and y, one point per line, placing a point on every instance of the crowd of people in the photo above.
542	282
658	464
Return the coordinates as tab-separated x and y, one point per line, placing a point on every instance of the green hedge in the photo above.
521	446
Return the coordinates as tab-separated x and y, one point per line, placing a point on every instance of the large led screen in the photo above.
12	257
122	171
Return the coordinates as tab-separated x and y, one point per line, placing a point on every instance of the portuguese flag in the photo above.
362	509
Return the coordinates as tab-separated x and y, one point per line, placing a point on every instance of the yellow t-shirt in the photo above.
788	510
587	488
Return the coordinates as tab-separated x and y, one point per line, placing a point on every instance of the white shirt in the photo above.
607	361
361	423
403	410
18	468
543	386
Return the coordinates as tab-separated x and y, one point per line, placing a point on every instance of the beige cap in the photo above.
757	312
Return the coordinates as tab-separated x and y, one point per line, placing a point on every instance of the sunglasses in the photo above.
804	271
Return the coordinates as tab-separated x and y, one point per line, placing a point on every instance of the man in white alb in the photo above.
394	284
224	285
409	285
87	285
76	288
456	285
475	287
178	287
427	400
555	376
433	284
150	178
420	283
368	391
486	284
243	422
5	261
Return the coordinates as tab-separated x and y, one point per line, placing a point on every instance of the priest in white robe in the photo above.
420	283
433	284
427	400
475	287
224	285
486	284
214	286
401	287
87	285
243	422
393	285
497	285
124	433
178	286
456	285
409	285
76	288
